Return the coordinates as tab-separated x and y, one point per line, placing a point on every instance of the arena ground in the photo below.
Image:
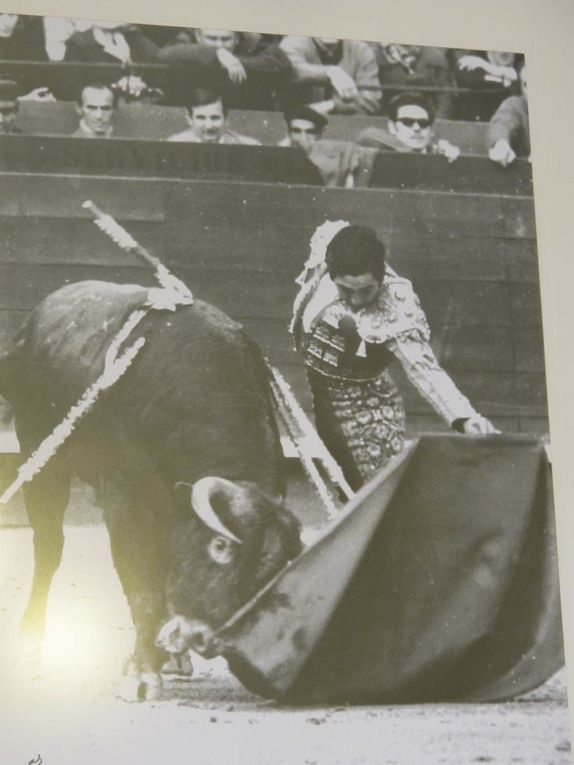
71	714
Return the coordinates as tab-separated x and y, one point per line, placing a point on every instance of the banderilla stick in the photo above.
125	241
115	366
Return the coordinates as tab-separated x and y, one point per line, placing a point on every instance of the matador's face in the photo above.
357	291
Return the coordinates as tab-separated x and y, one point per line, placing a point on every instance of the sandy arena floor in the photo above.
70	713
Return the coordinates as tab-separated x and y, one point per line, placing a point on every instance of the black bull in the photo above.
183	452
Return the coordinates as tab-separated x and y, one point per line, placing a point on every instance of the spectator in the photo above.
8	107
207	117
110	42
21	38
305	127
509	130
160	35
334	76
414	66
245	68
410	129
96	107
492	74
340	163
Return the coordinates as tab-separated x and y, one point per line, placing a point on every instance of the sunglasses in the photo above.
304	131
412	121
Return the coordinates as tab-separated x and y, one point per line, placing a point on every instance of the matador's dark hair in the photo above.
356	250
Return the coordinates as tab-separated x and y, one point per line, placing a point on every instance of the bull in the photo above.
183	452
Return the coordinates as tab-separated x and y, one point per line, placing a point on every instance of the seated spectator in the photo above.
305	126
110	42
246	68
207	117
8	107
160	35
410	129
509	130
57	32
492	74
21	38
414	66
333	76
96	107
340	163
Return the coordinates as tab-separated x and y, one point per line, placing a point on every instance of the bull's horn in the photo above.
201	503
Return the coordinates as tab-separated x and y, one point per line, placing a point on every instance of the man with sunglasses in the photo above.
410	128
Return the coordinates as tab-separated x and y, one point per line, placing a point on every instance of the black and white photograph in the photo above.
276	471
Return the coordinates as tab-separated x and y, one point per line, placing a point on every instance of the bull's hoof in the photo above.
141	686
178	664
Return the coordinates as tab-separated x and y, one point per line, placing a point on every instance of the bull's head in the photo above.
227	543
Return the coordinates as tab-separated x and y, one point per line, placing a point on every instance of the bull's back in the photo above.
200	390
196	396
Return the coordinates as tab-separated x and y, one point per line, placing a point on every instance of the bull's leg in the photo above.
46	498
137	552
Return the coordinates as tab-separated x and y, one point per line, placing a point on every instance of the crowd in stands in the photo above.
308	78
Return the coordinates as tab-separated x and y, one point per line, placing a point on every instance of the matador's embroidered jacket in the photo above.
339	344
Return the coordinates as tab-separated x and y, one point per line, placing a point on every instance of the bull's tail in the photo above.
8	387
11	369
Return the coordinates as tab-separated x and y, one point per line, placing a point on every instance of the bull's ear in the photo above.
204	497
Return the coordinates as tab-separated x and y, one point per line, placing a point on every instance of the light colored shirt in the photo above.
84	131
357	60
228	137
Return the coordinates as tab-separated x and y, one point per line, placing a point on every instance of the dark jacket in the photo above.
430	68
266	65
83	47
488	95
26	43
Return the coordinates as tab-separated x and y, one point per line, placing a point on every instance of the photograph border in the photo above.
543	31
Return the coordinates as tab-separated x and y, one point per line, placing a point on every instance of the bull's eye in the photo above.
221	550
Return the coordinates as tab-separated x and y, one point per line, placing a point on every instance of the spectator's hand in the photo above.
38	94
479	425
343	83
448	150
471	63
508	75
232	65
132	86
502	153
323	107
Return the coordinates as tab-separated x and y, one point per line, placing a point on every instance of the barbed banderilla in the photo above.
114	367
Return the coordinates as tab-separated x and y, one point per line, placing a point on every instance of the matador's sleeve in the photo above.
429	378
412	348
